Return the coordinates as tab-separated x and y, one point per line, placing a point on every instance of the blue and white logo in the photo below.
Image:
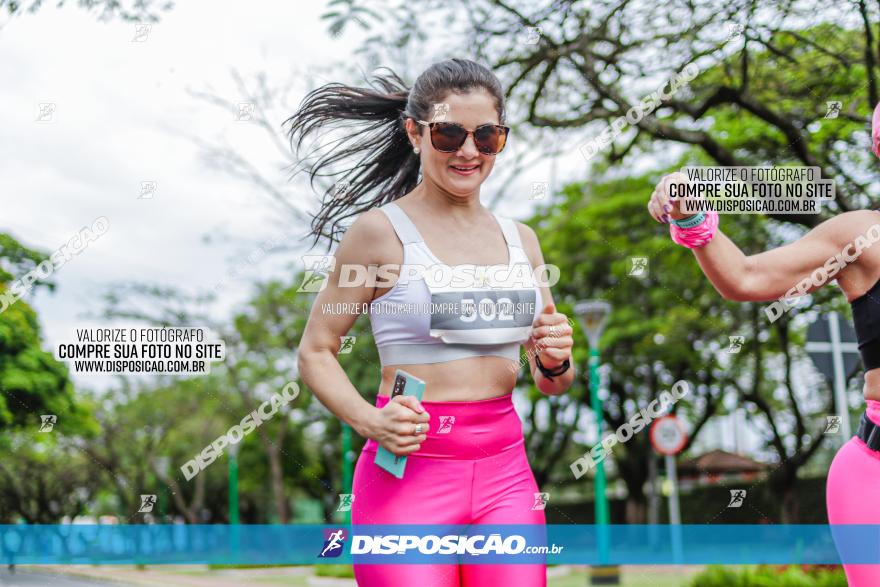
334	544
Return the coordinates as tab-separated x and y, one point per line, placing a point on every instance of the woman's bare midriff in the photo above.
462	380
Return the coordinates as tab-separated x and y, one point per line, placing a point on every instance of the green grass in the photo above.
631	578
287	581
643	577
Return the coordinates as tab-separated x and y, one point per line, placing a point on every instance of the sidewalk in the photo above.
194	575
303	576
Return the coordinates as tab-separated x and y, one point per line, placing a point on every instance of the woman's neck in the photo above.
437	201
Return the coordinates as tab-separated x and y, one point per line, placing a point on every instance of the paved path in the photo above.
29	578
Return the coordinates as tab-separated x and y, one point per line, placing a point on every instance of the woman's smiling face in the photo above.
459	173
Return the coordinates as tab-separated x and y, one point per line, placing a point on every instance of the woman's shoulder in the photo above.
849	225
371	237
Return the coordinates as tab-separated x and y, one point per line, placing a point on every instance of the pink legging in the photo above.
853	495
472	469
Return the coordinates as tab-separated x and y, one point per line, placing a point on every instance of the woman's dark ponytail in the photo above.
372	123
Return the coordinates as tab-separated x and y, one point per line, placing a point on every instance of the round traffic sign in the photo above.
668	435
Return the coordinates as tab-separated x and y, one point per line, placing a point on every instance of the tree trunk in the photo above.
277	476
790	511
783	485
636	510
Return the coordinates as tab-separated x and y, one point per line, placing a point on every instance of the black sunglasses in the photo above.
448	137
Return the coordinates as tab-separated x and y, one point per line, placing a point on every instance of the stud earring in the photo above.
416	150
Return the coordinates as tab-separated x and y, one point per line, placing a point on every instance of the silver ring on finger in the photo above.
419	429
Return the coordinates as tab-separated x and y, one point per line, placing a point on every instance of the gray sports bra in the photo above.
436	313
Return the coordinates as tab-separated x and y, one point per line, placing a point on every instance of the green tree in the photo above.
39	409
140	425
32	381
44	478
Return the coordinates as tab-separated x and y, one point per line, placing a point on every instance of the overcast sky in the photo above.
123	113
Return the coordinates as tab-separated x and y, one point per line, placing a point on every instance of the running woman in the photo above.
853	485
422	156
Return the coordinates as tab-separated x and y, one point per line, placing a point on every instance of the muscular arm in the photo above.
318	365
770	275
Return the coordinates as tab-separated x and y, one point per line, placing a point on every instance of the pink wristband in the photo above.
697	236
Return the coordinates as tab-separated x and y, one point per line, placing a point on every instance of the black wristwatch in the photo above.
550	373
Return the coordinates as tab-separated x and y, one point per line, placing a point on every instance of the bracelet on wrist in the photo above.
690	221
551	373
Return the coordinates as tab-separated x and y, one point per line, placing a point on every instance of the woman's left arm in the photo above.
551	338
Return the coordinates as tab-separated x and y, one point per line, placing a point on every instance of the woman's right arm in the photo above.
392	426
771	274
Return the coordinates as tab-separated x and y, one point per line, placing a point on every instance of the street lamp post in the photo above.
234	527
592	315
163	466
347	455
233	484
